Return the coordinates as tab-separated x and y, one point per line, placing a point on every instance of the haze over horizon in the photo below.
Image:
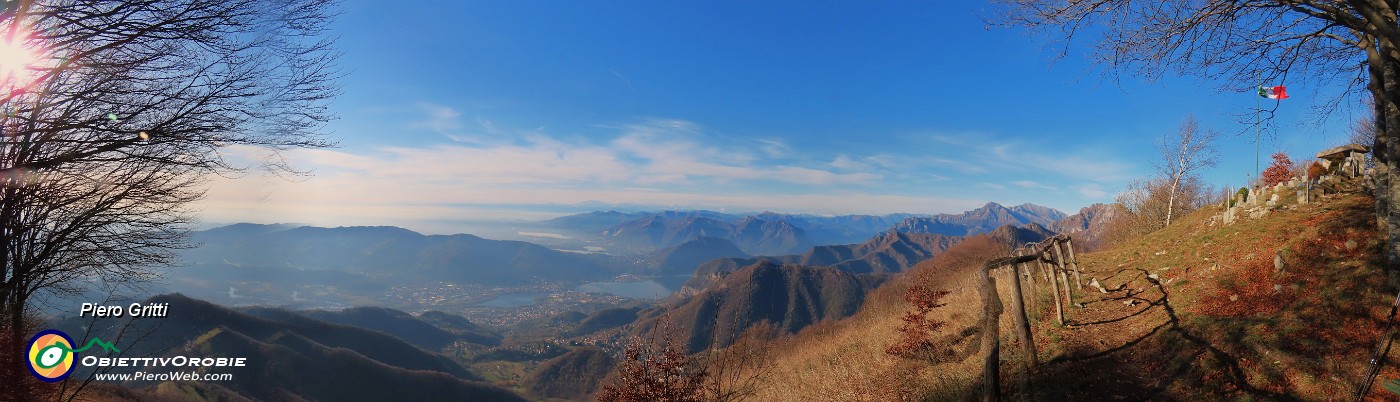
494	227
488	111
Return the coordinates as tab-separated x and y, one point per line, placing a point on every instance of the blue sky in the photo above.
458	111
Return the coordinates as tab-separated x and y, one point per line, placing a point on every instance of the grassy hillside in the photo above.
1215	318
789	296
1193	311
846	359
306	369
570	376
418	331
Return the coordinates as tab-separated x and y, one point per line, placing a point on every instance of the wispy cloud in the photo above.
1093	191
651	162
672	149
1033	185
775	148
624	79
440	119
981	153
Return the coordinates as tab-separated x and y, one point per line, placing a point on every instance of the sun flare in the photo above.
15	60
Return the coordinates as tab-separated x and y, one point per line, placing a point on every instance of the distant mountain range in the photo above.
270	264
681	260
397	252
767	233
771	233
750	234
887	253
981	220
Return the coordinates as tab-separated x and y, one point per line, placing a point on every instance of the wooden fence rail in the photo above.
1051	262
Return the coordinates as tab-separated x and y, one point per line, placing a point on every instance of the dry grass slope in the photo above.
1193	312
1216	320
845	360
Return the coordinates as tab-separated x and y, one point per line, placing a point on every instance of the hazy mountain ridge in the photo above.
592	222
764	233
889	252
421	332
401	252
461	327
752	235
981	220
682	259
773	233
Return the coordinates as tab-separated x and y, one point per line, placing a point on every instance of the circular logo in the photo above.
50	355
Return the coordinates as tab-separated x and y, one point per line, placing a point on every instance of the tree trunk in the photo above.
1171	199
14	346
1380	147
1390	72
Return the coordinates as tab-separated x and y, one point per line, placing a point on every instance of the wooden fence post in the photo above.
1045	269
1030	278
1030	273
1064	278
1054	290
1023	331
1073	262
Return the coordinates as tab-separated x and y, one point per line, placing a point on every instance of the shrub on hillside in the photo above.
655	370
917	335
1278	172
1316	170
1144	207
737	372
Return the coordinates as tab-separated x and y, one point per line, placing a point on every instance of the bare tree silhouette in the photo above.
113	112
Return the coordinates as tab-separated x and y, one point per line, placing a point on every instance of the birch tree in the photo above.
1183	157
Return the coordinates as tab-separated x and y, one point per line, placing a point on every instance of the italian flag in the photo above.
1273	92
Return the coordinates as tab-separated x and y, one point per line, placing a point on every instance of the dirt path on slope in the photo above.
1220	322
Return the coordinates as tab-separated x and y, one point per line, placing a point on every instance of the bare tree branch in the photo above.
107	136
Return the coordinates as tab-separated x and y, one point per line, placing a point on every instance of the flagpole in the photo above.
1258	105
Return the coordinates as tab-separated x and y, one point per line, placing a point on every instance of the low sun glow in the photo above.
15	60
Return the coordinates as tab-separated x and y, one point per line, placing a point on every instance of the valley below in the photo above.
518	316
